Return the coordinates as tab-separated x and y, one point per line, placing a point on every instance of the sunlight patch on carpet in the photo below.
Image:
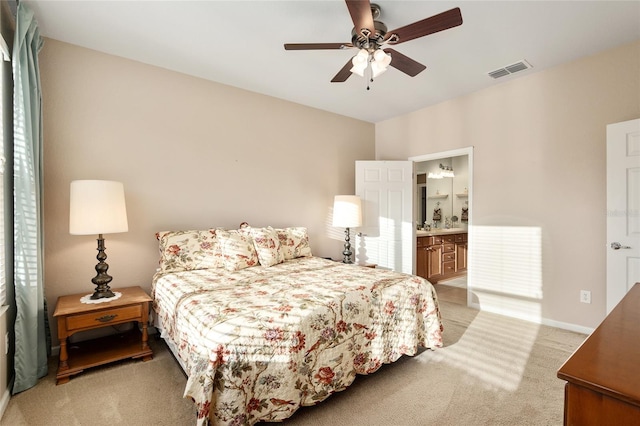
494	349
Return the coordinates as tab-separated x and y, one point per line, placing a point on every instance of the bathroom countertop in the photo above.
439	231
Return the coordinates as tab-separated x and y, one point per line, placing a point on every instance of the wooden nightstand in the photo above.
74	316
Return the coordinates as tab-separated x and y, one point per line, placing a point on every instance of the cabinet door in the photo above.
434	262
461	257
421	258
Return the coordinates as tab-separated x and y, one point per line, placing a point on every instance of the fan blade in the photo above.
316	46
361	16
343	74
443	21
405	63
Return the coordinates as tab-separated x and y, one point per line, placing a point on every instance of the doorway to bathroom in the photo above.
443	214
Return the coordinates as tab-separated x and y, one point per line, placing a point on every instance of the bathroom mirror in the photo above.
449	195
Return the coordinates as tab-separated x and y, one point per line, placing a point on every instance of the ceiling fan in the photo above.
371	38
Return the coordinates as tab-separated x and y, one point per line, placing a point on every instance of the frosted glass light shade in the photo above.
376	69
347	211
97	207
360	62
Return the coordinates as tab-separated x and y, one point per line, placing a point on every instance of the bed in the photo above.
261	327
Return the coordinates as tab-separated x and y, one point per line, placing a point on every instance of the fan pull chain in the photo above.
370	71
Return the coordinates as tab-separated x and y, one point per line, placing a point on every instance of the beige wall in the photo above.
191	154
539	174
194	154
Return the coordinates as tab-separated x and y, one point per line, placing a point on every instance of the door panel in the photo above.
387	235
623	209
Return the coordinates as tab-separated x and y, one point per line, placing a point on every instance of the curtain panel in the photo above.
31	323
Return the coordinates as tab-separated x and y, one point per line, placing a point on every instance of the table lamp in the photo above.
98	207
347	213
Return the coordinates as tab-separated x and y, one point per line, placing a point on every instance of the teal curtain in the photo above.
30	361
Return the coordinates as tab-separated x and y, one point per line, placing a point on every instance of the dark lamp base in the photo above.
346	254
102	279
102	294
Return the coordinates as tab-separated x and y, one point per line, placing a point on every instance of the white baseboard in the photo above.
567	326
534	319
4	402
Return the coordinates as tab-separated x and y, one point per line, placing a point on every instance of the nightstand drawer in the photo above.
104	317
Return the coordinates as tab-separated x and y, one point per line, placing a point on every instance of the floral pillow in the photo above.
188	250
238	251
267	245
294	242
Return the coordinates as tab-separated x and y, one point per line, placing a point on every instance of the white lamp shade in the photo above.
347	211
97	207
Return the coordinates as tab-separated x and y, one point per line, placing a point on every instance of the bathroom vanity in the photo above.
441	254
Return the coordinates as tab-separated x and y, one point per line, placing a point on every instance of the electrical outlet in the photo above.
585	296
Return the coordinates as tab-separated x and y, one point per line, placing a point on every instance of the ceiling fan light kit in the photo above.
371	38
378	61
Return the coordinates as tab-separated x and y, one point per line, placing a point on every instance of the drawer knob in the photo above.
106	318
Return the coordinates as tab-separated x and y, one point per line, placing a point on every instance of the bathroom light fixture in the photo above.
447	171
444	172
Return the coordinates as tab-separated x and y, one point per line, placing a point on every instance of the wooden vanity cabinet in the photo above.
461	252
421	256
434	262
441	256
448	255
428	255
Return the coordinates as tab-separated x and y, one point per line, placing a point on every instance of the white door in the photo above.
386	237
623	209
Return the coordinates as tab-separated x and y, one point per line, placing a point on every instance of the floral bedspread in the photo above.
258	343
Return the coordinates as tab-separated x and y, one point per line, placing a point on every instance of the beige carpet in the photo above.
493	370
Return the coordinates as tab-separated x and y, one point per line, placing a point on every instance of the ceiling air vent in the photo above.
510	69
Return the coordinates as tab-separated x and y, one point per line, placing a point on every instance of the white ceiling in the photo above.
240	43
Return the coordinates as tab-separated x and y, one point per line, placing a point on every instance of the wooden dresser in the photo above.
603	375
